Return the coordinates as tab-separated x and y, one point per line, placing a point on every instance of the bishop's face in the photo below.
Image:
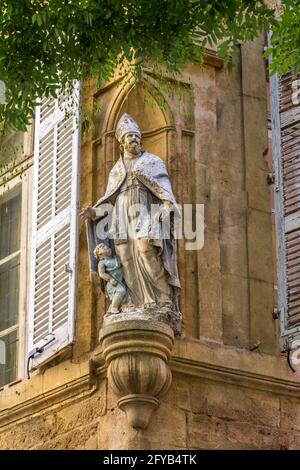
132	143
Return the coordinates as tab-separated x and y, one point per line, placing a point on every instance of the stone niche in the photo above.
137	346
168	130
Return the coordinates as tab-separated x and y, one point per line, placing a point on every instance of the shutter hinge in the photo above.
271	178
276	313
38	350
255	345
68	269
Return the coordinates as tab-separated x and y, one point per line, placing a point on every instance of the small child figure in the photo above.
110	270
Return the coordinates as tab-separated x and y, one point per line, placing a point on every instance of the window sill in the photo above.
11	384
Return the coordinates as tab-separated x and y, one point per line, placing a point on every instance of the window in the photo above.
38	255
10	238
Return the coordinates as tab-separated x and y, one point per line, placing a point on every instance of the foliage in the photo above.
11	163
285	39
46	42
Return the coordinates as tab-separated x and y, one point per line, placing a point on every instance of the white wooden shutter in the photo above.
286	157
54	224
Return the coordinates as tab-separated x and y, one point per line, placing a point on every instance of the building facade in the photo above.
232	387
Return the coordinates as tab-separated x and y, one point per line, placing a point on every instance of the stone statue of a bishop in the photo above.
140	226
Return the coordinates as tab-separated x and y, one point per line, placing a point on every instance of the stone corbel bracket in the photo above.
137	353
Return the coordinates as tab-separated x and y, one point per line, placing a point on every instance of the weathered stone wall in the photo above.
231	387
197	413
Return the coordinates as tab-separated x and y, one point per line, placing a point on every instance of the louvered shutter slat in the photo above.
55	208
286	155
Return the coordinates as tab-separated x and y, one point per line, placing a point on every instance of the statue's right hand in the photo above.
87	213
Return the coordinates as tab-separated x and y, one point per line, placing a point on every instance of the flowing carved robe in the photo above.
151	171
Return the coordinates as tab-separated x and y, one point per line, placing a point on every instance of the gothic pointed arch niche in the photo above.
142	102
155	121
166	132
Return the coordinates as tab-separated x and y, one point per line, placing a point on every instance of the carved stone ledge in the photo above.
150	314
58	386
137	353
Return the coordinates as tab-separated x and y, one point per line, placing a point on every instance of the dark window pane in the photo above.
9	293
10	220
8	358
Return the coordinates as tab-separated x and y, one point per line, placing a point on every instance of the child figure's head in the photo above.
102	251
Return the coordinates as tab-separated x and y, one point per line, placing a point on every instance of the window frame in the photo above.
24	186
